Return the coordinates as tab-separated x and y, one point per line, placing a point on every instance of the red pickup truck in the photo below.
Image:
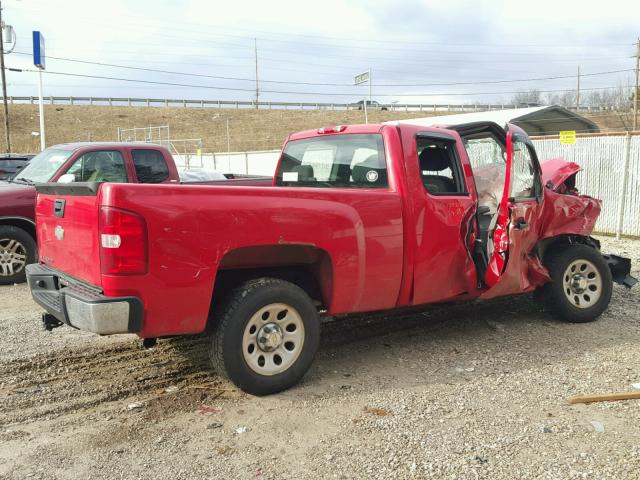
359	219
72	162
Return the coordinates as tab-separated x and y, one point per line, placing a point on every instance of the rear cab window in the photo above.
150	166
341	161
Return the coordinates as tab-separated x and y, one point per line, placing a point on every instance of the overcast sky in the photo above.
409	43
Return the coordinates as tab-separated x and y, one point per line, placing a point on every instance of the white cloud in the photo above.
453	41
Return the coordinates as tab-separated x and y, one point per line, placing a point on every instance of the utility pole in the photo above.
636	100
255	48
578	94
4	85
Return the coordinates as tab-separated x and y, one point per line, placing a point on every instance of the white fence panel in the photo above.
252	163
263	163
631	218
234	162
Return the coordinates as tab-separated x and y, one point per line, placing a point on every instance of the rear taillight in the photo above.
123	242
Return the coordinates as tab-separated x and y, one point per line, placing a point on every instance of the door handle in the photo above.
521	224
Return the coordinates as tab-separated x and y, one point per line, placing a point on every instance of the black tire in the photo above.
556	294
226	350
10	271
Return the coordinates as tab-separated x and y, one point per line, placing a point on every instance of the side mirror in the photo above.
67	178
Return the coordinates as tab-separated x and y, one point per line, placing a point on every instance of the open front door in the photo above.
510	267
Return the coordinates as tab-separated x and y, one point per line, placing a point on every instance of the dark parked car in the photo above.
10	164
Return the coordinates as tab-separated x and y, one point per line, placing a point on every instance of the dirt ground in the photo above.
471	391
248	129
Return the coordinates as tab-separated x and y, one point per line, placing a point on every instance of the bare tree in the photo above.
532	96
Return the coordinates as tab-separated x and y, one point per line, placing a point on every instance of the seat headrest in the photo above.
434	159
305	172
370	171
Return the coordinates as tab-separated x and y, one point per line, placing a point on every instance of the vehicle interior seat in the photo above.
104	169
305	173
370	172
436	159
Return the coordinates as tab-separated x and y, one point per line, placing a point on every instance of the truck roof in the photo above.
115	145
377	127
329	129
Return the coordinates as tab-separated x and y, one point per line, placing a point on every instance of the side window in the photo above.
150	166
97	166
522	172
440	167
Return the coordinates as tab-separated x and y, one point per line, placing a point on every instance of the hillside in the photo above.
248	129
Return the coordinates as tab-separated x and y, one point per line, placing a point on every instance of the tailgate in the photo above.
67	225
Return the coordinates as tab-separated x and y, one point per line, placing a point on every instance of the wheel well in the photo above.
307	267
22	223
548	244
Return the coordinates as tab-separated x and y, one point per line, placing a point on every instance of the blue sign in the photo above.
38	50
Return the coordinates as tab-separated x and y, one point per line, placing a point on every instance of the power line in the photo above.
209	87
442	84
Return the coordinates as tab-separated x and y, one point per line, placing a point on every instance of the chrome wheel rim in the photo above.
13	257
273	339
582	284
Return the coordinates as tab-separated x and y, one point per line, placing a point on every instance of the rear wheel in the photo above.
17	250
581	284
266	336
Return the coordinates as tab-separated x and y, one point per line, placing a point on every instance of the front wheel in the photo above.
581	283
266	336
17	250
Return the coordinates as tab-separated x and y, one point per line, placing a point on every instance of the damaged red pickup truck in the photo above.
359	219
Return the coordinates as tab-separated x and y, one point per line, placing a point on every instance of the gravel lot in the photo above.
464	392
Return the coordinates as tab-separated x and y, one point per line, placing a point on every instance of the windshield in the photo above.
42	167
355	161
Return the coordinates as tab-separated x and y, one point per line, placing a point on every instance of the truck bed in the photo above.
353	237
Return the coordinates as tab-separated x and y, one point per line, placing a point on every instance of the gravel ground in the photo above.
463	392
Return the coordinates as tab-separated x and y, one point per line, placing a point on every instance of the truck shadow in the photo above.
444	344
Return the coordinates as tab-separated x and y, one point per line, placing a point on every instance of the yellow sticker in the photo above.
199	151
568	137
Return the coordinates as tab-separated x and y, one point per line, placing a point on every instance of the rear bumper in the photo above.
83	306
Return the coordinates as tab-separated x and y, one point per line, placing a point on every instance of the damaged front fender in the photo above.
566	212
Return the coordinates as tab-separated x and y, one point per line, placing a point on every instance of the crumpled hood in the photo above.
556	171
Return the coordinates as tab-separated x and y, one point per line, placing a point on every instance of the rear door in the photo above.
67	219
443	201
150	166
517	228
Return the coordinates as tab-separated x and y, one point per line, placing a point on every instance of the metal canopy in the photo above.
547	120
